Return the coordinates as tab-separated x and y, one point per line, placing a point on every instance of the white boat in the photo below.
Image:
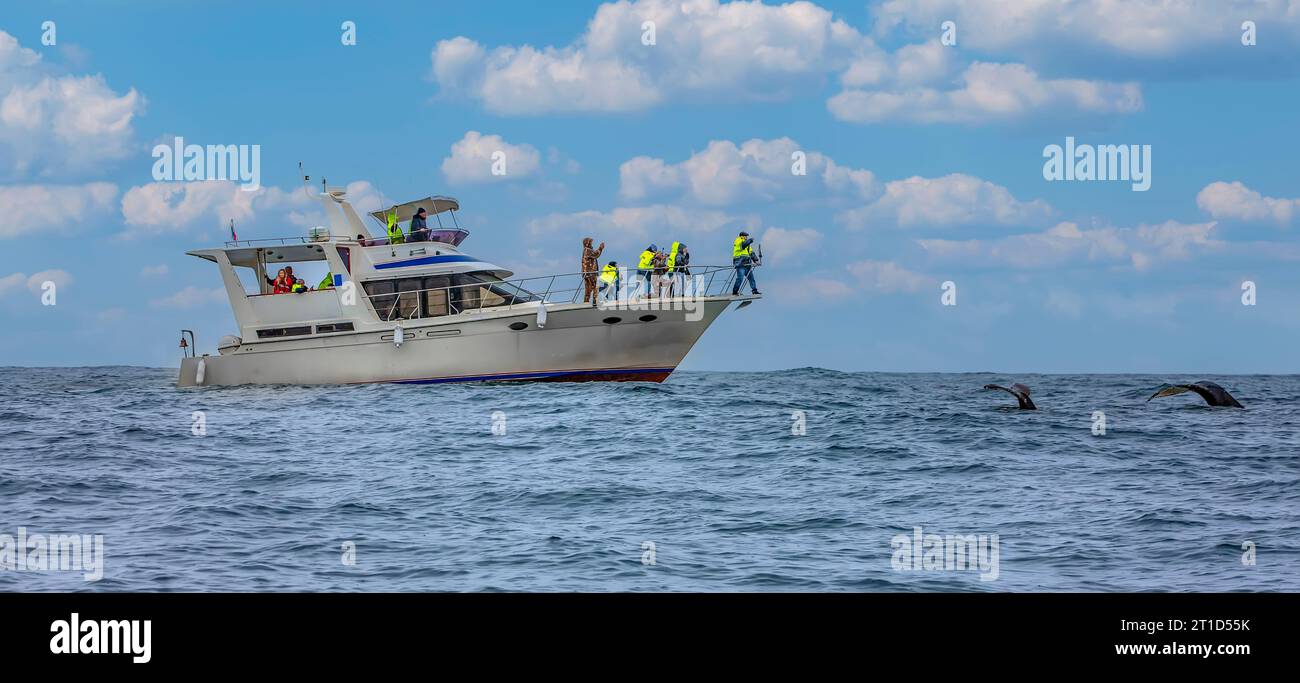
427	312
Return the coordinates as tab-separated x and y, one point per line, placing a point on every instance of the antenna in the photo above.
305	179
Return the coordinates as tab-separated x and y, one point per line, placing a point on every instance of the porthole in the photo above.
518	326
648	318
612	320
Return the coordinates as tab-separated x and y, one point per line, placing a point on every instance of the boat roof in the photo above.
247	256
405	211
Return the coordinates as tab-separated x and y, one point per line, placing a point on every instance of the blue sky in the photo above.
924	165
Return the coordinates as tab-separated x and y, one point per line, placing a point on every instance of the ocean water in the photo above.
697	484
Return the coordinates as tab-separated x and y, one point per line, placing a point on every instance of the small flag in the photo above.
233	236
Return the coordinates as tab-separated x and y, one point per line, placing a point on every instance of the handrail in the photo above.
454	237
700	282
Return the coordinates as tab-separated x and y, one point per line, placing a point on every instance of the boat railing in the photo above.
454	237
632	287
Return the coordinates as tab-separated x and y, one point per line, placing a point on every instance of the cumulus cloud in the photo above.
886	277
1132	28
474	157
1235	201
638	226
25	209
757	170
163	207
987	92
51	123
1067	244
952	200
192	297
782	245
34	283
754	52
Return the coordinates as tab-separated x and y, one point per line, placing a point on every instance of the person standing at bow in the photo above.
645	267
590	269
742	257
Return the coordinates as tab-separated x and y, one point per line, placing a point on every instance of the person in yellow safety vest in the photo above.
326	282
298	287
674	260
645	267
395	235
609	280
742	257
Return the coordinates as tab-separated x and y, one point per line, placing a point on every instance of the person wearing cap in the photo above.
645	267
419	231
742	257
590	264
609	280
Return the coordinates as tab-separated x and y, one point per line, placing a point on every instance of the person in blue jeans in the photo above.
742	257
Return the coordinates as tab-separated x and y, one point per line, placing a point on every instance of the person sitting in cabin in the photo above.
280	285
361	239
419	231
298	286
326	282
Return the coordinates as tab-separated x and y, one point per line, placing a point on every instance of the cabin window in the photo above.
441	295
381	295
333	327
283	332
345	255
435	296
408	298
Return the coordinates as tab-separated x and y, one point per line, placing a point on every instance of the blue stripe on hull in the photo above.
424	261
537	375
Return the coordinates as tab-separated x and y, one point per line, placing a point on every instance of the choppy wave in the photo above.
583	482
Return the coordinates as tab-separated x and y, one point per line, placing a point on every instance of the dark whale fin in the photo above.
1213	394
1020	391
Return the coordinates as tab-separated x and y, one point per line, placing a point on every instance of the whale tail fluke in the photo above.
1213	394
1020	391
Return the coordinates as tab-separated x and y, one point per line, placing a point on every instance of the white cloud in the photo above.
782	245
12	281
757	170
26	209
1066	244
52	123
639	226
812	289
192	297
988	92
163	207
753	52
60	278
952	200
154	271
1133	28
35	283
1235	201
886	277
472	159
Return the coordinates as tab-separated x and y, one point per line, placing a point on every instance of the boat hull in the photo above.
575	344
